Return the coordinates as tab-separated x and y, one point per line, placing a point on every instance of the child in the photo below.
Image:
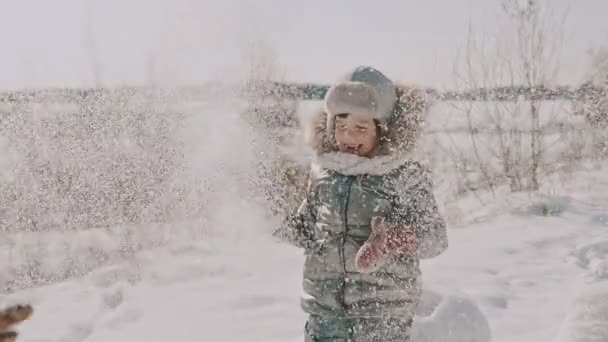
369	214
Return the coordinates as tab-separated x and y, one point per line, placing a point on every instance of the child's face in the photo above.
356	134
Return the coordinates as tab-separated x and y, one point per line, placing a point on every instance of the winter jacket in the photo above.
334	221
344	193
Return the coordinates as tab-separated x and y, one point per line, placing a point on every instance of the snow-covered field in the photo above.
534	277
512	272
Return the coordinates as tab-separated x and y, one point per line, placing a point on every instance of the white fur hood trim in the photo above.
350	164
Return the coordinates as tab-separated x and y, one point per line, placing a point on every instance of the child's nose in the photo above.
349	138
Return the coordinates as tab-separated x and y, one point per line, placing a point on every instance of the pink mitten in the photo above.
385	241
401	241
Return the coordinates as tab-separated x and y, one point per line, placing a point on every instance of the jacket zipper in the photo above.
349	182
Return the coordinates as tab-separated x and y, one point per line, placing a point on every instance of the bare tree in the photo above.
524	52
598	67
538	42
595	110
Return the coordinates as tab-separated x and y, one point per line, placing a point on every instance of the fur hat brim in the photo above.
353	97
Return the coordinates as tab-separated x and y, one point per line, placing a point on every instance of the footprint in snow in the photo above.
113	299
600	219
492	271
78	333
257	301
110	277
497	302
523	283
121	318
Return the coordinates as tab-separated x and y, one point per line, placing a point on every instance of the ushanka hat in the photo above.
364	91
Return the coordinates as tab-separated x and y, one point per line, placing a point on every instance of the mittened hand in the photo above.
401	241
373	254
385	241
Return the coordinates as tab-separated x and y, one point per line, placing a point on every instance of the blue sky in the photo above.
47	43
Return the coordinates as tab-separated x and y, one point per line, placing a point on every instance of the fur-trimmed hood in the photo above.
397	141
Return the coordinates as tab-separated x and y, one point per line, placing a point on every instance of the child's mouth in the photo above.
351	149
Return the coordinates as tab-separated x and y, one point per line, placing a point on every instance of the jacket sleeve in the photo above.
416	207
298	227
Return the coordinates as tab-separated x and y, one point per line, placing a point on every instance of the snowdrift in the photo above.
449	318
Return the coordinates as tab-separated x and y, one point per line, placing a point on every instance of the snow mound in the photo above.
594	258
449	318
587	321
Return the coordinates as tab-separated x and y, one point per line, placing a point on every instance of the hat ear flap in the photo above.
314	128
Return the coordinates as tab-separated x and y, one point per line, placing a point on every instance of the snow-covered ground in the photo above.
521	267
534	277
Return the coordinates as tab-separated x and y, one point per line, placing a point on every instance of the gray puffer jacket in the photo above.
344	193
